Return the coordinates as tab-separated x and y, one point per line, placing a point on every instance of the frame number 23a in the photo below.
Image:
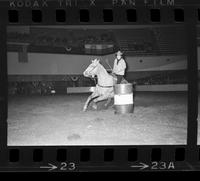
162	166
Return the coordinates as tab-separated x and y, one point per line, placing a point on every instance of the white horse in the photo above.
104	89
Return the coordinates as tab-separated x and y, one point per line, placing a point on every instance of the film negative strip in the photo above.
99	85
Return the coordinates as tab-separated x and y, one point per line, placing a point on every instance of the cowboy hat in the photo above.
119	53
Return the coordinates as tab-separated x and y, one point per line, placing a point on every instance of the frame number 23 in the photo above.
67	166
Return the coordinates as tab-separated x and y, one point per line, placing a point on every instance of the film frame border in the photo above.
104	158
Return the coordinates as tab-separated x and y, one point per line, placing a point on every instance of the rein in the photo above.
98	83
101	85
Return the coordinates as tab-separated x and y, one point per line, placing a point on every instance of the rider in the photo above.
119	67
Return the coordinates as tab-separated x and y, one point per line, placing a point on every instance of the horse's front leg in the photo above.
88	101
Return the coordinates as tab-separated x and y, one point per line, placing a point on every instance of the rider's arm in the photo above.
113	70
122	64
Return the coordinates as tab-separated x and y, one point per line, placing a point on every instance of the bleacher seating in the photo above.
72	42
134	42
170	40
152	41
198	35
161	78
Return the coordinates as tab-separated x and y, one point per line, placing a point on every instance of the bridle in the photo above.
96	81
93	68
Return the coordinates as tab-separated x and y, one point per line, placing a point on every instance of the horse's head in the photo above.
91	71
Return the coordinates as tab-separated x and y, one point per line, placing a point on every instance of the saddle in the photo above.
114	76
124	81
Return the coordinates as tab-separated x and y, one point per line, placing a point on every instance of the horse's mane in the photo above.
103	68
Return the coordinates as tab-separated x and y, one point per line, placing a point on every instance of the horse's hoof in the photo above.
105	105
112	106
94	107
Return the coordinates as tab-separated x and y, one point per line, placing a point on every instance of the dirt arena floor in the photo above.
158	119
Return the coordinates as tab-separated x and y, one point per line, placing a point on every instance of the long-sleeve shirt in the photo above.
119	68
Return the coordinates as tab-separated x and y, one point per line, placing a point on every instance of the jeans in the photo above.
119	78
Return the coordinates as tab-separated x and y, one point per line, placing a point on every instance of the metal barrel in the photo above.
123	98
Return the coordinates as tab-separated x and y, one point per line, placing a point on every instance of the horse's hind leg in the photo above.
94	105
100	98
108	102
109	99
88	101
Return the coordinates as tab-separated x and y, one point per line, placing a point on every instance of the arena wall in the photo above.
162	88
139	88
59	64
